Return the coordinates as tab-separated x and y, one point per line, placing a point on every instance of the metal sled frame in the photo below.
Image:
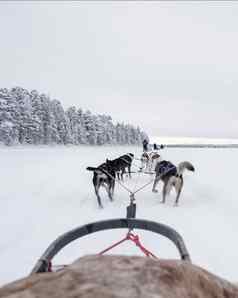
43	263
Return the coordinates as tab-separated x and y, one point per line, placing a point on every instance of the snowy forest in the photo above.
33	118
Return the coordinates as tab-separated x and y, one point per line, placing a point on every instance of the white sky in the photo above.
170	67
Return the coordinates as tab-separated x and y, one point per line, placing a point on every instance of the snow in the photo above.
46	191
7	123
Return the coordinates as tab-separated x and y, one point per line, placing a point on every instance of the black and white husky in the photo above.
104	175
122	163
172	176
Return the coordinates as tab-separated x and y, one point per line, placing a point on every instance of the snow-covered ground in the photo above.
46	191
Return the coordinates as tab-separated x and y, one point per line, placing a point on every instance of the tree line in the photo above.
28	117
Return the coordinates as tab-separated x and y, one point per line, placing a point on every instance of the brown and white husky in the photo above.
171	176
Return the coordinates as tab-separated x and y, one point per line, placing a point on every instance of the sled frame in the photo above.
44	262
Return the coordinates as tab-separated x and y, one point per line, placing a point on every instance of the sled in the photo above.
45	261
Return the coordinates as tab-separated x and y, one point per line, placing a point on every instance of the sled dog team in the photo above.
151	162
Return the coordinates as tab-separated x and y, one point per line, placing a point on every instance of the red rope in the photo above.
49	267
114	245
133	238
129	236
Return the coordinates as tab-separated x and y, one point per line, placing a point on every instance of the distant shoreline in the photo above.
195	142
201	145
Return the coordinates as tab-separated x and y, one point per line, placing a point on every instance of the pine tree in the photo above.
8	127
90	126
62	123
82	133
33	118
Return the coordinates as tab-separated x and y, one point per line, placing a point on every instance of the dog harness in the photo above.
166	167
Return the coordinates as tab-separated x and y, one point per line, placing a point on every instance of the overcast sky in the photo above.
170	67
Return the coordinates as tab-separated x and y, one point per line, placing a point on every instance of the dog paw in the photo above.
175	204
154	190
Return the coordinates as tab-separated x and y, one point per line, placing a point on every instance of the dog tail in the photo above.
95	170
131	155
91	169
185	165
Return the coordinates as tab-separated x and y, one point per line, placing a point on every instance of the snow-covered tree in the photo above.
62	123
33	118
90	126
8	118
82	133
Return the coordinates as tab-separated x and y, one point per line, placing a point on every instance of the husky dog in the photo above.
149	161
122	163
144	161
104	175
172	176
